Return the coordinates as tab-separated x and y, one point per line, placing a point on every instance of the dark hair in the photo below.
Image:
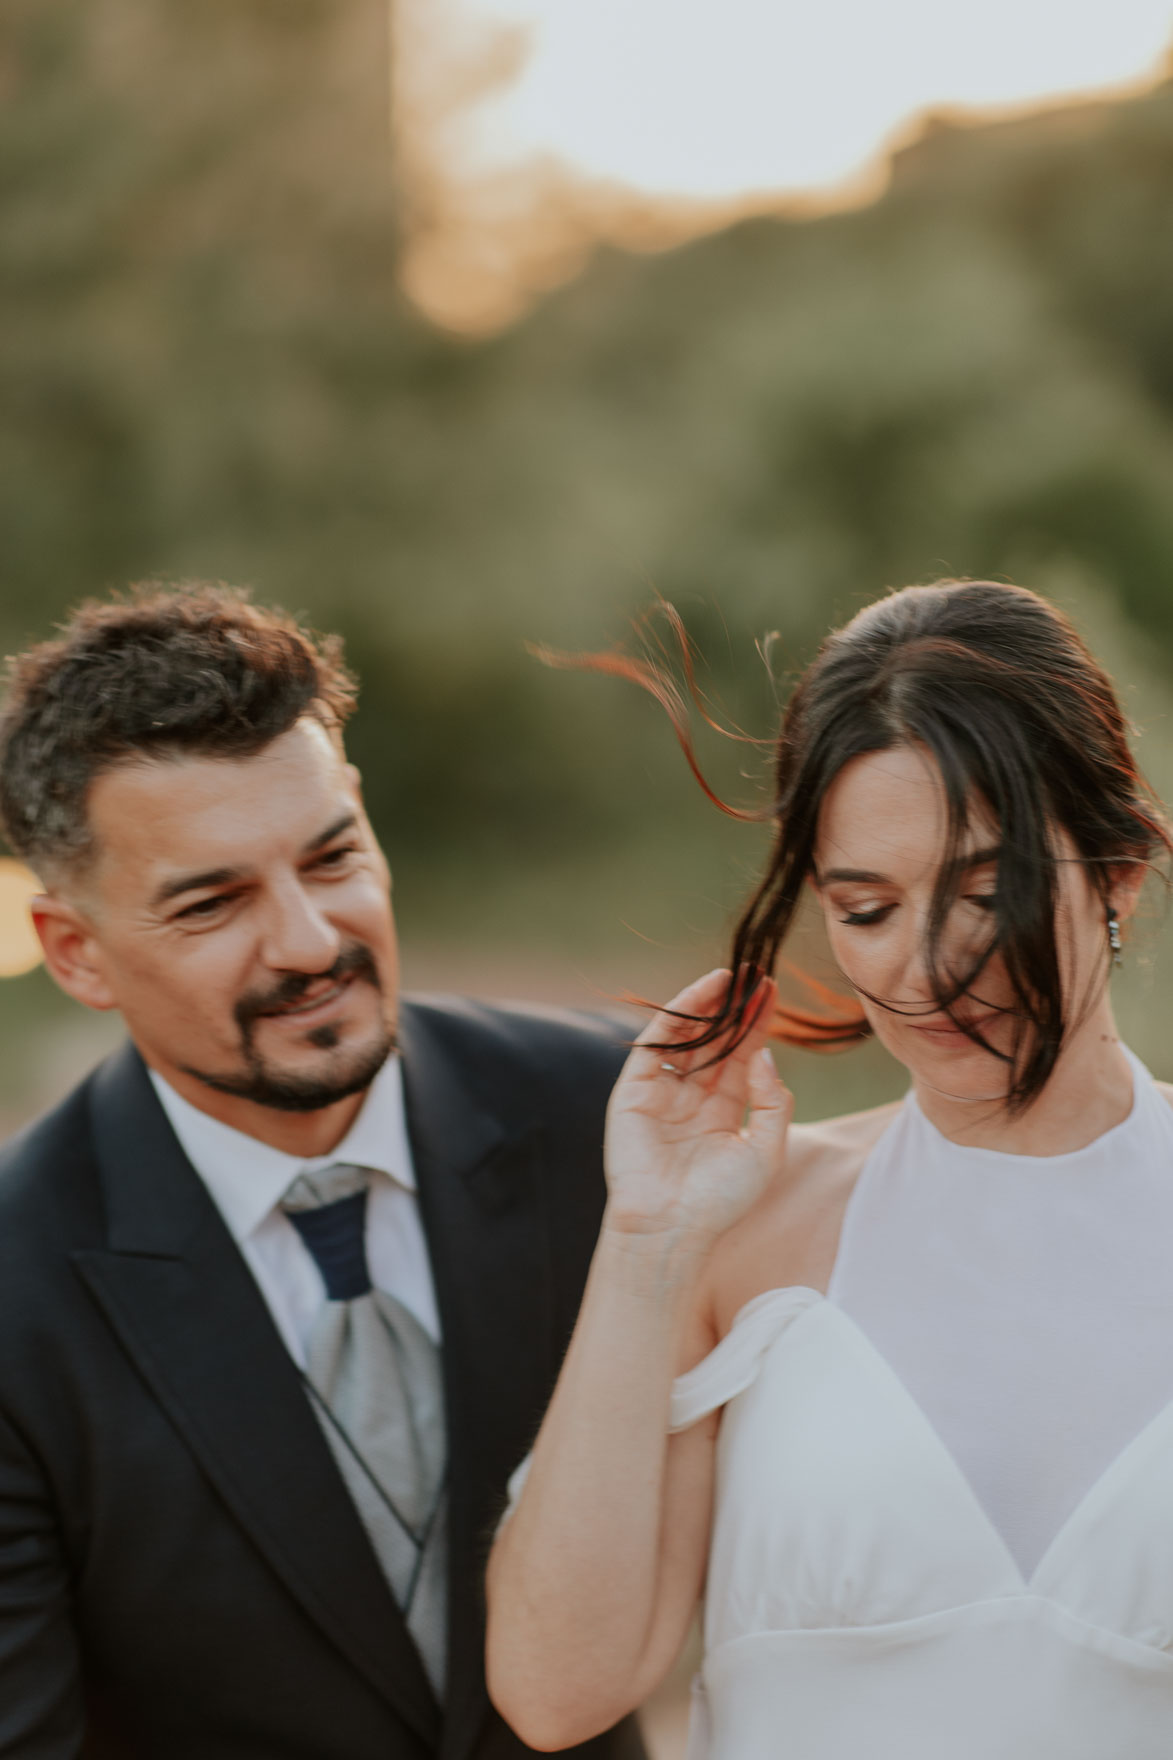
1005	695
159	672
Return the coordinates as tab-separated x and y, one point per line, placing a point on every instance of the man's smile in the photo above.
319	1002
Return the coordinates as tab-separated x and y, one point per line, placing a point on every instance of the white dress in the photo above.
862	1599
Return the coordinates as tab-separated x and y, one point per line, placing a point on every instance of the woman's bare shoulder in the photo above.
828	1147
791	1235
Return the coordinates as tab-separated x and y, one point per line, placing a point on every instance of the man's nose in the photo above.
297	936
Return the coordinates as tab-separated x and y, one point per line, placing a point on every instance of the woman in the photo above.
895	1390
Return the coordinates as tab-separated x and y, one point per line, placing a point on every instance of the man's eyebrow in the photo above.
193	883
225	876
347	823
976	858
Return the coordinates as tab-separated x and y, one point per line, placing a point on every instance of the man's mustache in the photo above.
355	961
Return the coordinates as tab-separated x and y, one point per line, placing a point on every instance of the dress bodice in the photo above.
861	1600
1024	1301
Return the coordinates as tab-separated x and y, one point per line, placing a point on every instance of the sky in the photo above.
717	98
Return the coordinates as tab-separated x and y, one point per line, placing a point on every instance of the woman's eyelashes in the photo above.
861	918
865	916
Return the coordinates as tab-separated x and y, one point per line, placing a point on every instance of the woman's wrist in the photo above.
664	1261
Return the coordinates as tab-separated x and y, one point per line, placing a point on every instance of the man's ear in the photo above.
71	951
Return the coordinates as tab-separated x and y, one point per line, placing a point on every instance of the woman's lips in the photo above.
949	1031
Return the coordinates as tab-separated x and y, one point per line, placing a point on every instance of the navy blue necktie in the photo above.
335	1234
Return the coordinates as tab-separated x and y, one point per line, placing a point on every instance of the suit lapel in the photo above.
477	1159
182	1301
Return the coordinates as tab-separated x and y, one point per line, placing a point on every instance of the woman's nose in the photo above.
912	976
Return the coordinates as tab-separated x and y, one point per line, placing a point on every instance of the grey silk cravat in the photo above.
376	1377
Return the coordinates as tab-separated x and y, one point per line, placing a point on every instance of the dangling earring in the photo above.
1114	937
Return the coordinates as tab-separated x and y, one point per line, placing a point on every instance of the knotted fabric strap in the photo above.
376	1377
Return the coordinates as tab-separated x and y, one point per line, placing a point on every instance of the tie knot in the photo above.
328	1210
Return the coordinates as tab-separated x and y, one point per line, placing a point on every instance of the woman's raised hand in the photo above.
691	1144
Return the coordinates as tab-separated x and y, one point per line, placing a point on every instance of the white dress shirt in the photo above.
247	1180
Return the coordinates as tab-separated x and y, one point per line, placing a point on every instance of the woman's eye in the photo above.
860	919
985	901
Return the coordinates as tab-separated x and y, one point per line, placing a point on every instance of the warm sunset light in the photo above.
528	129
20	950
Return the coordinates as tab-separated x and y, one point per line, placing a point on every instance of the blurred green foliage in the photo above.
207	369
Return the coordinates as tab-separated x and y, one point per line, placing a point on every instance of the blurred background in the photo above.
458	325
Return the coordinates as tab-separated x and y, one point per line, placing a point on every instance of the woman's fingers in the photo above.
691	1093
771	1106
726	1073
682	1018
693	1135
664	1044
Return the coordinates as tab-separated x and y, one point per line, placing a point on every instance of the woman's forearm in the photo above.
580	1572
595	1575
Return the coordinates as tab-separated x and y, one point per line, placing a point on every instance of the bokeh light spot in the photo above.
20	950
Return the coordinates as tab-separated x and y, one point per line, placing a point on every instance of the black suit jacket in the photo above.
182	1573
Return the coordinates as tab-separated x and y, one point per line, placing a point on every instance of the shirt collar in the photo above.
247	1178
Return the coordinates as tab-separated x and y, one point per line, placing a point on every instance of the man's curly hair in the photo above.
157	673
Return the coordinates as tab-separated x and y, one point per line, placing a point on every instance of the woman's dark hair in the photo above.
1014	709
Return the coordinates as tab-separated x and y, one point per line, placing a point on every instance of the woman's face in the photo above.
881	838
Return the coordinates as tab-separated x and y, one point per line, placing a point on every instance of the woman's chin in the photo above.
951	1064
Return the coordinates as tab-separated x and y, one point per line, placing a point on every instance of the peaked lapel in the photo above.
180	1297
477	1157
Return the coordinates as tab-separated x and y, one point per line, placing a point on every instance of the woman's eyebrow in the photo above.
974	858
864	874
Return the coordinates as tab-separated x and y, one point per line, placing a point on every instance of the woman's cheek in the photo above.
863	959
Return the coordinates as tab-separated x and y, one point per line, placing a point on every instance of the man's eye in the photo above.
203	907
333	858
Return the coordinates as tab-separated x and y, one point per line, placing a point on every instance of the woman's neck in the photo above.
1088	1092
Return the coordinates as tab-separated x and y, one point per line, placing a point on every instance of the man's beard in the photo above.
265	1086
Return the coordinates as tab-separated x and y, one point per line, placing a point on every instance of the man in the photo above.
284	1285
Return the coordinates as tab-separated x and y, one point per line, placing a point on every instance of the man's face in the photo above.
239	917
